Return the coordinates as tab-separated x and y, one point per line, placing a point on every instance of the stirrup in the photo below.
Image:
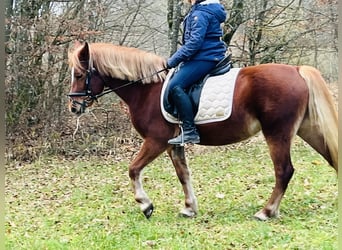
187	136
181	135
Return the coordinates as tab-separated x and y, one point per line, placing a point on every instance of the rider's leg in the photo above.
186	75
183	104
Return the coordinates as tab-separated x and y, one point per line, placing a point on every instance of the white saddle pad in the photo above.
215	101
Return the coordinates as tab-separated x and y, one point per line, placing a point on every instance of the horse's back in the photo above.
271	80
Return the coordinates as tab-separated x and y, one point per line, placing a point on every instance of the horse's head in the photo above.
86	82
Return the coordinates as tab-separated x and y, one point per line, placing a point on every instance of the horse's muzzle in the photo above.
77	107
76	111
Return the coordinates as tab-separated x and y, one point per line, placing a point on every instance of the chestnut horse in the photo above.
280	100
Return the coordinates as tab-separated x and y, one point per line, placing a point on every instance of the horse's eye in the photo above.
78	76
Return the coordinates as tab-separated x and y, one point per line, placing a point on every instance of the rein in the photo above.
89	94
106	91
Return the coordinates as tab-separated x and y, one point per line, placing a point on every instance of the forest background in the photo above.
39	34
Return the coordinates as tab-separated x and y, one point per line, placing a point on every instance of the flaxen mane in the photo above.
122	62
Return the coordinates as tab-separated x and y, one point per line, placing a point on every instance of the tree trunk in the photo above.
235	19
174	20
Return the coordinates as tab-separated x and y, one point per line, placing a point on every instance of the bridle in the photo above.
87	92
90	96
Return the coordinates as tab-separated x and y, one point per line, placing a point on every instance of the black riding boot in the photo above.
184	107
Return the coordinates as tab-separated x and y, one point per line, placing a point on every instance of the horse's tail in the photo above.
322	111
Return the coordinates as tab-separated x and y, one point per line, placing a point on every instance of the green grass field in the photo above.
88	203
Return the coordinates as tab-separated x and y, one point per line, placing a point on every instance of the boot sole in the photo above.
178	143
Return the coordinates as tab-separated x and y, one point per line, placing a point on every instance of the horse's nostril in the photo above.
73	110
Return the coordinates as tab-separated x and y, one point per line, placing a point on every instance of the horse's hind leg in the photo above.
177	156
280	154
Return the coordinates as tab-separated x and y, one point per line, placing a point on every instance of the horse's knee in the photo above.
133	172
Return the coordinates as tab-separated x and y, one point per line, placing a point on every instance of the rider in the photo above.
202	49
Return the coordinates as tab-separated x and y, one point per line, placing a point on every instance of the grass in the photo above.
88	204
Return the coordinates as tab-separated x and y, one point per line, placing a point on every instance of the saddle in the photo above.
195	90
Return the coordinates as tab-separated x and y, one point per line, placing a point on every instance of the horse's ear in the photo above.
84	53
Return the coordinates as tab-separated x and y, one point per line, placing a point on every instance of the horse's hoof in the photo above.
148	211
264	215
261	216
185	213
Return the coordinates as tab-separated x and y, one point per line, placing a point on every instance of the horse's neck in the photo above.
126	93
136	95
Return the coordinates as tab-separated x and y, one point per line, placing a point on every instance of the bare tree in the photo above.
234	20
138	23
281	31
38	37
174	18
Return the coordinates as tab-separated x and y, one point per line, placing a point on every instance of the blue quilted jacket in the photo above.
202	34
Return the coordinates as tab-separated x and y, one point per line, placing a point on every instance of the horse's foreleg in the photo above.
177	156
148	152
280	154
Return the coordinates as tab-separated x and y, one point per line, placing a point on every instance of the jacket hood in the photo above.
214	7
